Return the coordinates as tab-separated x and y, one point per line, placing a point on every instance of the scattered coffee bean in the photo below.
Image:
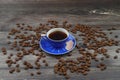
23	24
102	58
115	57
44	61
111	32
116	36
8	36
46	64
32	74
9	57
11	54
4	53
3	49
103	68
118	50
113	28
9	42
11	70
107	56
17	65
38	72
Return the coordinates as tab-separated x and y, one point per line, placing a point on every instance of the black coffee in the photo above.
57	35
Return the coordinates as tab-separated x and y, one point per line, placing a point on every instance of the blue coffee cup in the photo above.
57	43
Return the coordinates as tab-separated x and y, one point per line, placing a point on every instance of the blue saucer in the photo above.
46	46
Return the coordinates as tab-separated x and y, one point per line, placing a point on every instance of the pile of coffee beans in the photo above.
24	40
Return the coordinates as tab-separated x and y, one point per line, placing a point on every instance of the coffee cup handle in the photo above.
44	36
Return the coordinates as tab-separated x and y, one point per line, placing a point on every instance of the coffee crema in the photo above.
57	35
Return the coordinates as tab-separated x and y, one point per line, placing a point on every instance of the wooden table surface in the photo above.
102	15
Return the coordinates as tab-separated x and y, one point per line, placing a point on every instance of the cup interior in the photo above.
57	30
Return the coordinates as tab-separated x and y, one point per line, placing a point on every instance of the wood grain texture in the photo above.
105	17
59	1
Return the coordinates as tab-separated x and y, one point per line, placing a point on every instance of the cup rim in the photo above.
57	29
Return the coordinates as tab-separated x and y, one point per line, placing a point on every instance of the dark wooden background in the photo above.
103	13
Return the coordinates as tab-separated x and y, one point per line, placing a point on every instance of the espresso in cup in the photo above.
57	35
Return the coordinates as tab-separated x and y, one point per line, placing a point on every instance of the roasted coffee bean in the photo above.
17	65
11	54
118	50
110	32
38	72
116	36
4	53
9	57
23	24
9	42
102	58
96	60
46	64
103	50
11	70
115	57
8	36
9	61
17	49
32	74
102	68
14	62
3	49
107	56
44	61
44	56
25	62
